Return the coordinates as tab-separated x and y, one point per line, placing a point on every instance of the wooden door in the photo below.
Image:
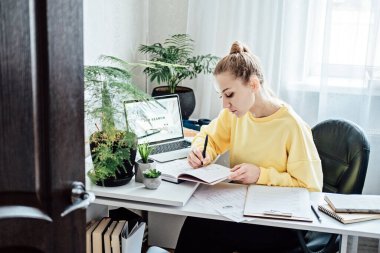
41	125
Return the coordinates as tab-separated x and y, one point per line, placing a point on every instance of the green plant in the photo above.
144	150
110	150
106	87
152	173
172	61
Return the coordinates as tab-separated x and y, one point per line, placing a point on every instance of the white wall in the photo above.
166	17
118	27
115	28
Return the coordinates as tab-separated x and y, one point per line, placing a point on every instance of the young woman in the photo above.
269	144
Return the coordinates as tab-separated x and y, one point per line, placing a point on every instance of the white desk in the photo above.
166	194
193	208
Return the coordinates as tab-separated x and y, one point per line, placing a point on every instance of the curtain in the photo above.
321	57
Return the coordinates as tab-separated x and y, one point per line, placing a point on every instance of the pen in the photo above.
204	148
316	214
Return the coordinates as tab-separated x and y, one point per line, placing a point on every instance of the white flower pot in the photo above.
140	167
152	183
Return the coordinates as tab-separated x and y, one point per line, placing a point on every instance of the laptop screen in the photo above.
155	121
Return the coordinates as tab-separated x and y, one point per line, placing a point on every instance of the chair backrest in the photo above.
344	152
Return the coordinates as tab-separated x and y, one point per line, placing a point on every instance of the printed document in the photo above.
227	199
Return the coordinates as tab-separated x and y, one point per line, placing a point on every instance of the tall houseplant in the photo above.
113	150
173	61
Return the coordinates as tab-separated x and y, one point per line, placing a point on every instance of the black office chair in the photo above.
344	152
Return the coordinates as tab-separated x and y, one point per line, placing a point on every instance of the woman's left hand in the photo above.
245	173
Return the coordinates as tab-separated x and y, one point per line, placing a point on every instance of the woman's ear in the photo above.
254	83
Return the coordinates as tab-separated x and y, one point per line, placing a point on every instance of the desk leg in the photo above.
343	244
354	244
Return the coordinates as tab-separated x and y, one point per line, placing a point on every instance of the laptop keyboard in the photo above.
167	147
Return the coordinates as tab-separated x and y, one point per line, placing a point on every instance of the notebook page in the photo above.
210	173
286	200
227	199
174	168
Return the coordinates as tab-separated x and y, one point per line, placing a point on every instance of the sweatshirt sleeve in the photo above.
219	134
304	167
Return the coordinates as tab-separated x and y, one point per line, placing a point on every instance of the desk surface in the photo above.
133	191
167	194
131	195
195	209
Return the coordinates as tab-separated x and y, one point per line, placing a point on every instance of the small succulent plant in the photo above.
144	150
152	173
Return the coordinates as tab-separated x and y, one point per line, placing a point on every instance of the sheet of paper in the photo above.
174	168
211	173
227	199
287	200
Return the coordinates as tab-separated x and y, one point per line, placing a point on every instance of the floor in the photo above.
146	247
367	245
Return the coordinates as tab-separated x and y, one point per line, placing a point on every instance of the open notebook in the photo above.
179	170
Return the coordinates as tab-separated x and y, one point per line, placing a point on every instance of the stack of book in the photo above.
351	208
114	235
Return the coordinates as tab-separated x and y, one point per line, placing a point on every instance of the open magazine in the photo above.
179	170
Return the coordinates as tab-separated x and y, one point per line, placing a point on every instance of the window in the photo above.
343	45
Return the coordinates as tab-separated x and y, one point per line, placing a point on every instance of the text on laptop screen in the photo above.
155	121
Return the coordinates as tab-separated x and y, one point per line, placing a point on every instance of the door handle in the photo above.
80	198
28	212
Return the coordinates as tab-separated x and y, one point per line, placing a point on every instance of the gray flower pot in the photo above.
152	183
140	167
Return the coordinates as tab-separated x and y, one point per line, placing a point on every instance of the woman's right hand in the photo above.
196	160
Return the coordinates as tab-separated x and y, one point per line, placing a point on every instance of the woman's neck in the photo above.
264	106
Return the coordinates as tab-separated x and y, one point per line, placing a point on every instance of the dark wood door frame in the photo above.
41	124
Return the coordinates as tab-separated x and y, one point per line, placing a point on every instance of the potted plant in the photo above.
172	62
144	163
113	149
152	178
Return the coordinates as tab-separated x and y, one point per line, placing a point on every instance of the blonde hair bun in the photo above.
238	47
241	63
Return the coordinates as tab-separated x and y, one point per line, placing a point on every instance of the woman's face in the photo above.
237	96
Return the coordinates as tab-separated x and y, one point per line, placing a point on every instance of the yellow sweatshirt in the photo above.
281	145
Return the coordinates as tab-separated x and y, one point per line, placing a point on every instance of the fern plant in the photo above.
172	61
111	152
106	87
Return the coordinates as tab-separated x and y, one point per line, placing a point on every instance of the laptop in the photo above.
159	123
